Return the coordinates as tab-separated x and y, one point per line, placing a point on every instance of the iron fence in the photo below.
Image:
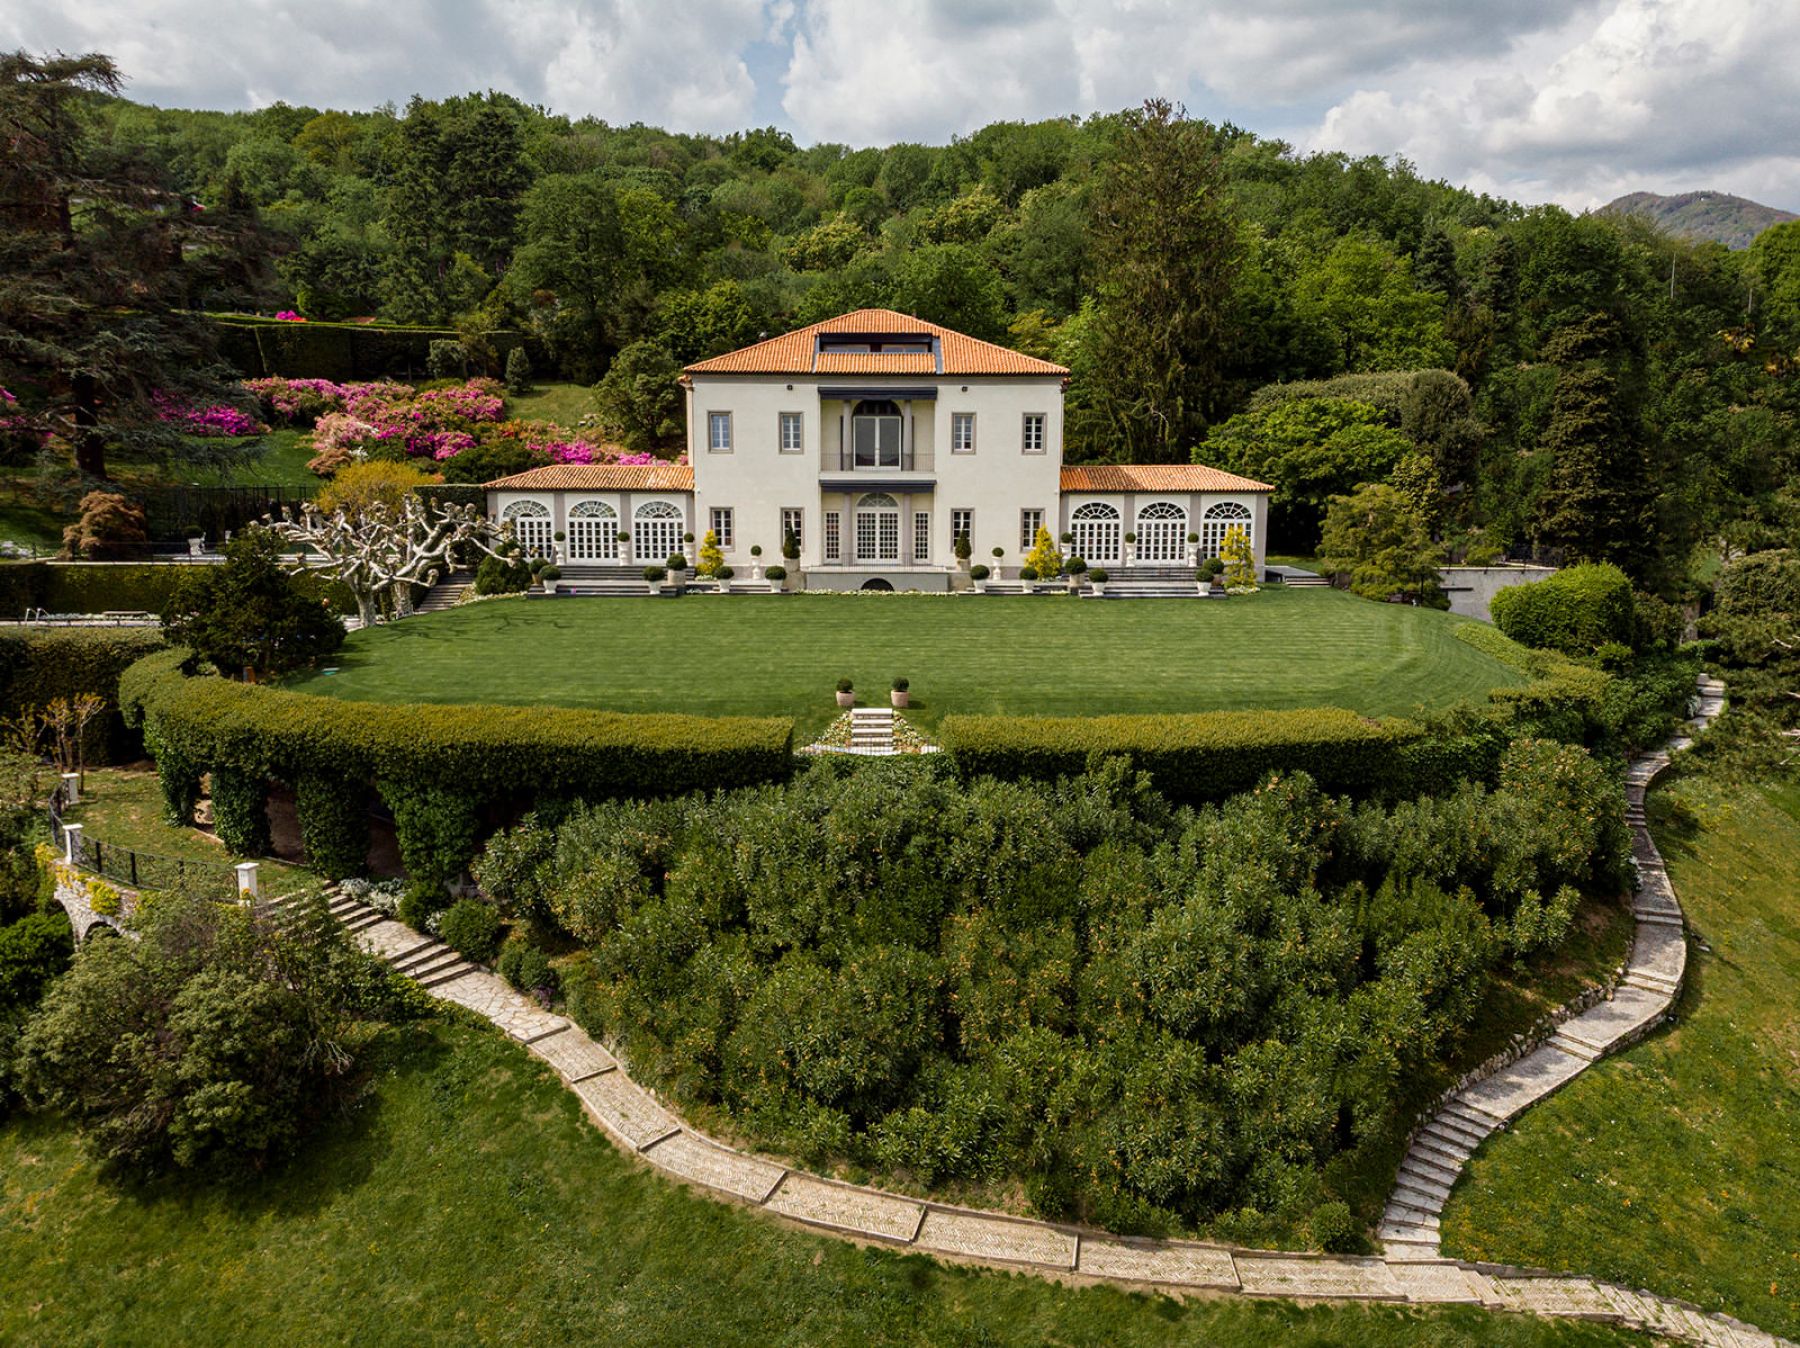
134	869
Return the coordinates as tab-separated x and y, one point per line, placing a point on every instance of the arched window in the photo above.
593	532
875	434
656	531
1097	529
530	526
1218	519
878	528
1162	533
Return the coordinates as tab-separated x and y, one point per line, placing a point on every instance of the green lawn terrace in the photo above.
1012	655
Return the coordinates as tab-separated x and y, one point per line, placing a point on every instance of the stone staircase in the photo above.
602	578
872	730
1174	580
1304	580
426	960
447	593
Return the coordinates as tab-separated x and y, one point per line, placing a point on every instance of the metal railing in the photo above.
134	869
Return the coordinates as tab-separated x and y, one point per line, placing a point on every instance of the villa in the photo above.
875	439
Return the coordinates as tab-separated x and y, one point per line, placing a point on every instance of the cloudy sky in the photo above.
1567	100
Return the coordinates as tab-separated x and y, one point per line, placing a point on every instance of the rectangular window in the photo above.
877	440
718	432
962	524
1030	521
962	432
834	547
791	433
721	526
921	535
793	521
1034	433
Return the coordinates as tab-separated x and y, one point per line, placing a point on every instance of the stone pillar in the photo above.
72	844
71	788
248	886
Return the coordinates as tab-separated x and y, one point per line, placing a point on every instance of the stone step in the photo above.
1575	1048
449	974
1430	1166
1407	1212
1417	1196
1423	1181
436	965
1658	917
1417	1232
1454	1132
1460	1117
421	957
1449	1154
363	921
1413	1252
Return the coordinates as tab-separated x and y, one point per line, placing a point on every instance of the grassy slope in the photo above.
565	404
1676	1166
1048	655
468	1201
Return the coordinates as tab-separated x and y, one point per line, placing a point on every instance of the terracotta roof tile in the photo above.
600	477
794	352
1156	477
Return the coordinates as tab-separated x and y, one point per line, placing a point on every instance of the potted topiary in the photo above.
777	575
1028	574
1098	578
898	693
756	571
1204	579
1130	549
1074	569
1193	549
556	550
655	575
548	577
724	574
978	575
677	565
960	546
846	693
999	570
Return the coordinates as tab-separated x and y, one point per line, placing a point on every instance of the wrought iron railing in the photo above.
134	869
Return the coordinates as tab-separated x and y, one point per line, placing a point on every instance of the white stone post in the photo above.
71	788
72	844
248	888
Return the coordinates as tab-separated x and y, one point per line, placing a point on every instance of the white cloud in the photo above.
1575	100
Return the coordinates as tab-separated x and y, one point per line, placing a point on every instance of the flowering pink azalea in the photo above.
221	419
289	316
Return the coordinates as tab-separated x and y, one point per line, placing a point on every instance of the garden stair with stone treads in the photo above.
602	578
447	593
1409	1226
872	730
644	1127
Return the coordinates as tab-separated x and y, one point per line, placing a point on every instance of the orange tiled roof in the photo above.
795	353
1156	477
600	477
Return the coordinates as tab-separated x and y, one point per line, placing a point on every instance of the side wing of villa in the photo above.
875	439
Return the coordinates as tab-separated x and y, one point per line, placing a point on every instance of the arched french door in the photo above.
1162	533
877	528
593	532
1219	519
1097	530
530	526
656	532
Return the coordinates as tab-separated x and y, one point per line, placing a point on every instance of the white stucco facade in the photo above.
876	438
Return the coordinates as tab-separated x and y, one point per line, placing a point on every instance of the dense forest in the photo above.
1579	387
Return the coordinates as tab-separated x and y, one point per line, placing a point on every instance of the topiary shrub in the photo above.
518	371
436	827
422	899
472	929
1333	1228
334	824
1577	610
979	572
240	802
446	359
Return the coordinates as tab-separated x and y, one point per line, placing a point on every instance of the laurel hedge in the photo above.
437	767
1198	756
38	665
340	351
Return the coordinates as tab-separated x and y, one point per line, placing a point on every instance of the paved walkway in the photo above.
641	1124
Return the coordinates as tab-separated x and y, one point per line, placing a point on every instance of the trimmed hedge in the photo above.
334	824
85	587
1564	700
339	351
438	765
1201	756
1577	610
38	665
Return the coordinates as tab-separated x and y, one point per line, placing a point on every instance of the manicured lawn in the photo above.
565	404
466	1201
1051	655
1676	1167
282	463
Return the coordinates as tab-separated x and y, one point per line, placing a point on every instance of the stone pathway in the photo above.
642	1125
1409	1226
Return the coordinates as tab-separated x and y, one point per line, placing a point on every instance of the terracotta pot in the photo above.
846	699
900	699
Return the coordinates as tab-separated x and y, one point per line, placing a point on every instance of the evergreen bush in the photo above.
1575	611
240	802
334	823
472	929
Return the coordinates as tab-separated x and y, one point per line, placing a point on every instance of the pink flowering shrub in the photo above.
289	316
219	419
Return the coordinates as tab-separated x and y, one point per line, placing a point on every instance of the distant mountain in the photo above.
1732	221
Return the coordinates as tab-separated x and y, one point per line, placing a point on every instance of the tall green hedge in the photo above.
1577	610
340	351
38	665
437	764
85	587
1195	757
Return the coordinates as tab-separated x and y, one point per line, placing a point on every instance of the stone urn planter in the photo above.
196	545
846	694
900	695
1130	549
